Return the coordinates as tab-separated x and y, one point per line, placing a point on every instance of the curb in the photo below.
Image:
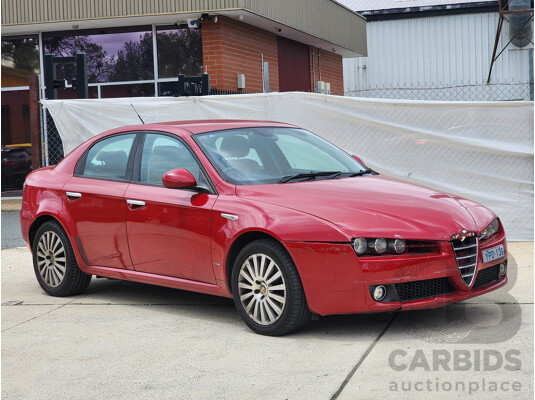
11	204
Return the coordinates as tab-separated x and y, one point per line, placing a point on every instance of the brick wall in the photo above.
232	47
332	70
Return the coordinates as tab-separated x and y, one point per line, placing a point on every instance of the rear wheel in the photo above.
267	289
55	264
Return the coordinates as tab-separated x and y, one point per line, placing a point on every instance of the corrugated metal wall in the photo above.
432	52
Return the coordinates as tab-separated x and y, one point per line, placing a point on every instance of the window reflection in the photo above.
113	55
179	51
130	90
20	59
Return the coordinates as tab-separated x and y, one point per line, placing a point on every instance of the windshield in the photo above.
263	155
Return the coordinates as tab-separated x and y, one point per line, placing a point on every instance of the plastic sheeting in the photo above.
481	151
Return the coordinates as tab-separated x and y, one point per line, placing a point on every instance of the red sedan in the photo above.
267	213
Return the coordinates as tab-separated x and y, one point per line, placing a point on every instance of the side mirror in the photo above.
178	178
359	160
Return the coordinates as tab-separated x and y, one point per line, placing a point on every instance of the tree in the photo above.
179	52
22	53
135	61
98	62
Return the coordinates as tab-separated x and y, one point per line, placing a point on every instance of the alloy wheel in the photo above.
51	259
262	289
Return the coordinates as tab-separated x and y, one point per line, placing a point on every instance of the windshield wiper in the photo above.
360	173
311	175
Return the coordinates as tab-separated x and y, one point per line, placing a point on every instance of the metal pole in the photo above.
313	70
155	59
498	32
262	64
319	62
530	60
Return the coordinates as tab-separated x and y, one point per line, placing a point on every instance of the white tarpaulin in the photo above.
481	151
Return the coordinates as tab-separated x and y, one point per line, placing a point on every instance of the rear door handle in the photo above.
74	195
135	203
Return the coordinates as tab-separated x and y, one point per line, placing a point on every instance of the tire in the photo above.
54	262
267	289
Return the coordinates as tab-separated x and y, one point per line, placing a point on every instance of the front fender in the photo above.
283	224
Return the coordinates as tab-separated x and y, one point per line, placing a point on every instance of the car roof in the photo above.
201	126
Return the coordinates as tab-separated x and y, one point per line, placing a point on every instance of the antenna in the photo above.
137	114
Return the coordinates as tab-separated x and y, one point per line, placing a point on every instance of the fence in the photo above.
53	146
482	151
508	91
512	91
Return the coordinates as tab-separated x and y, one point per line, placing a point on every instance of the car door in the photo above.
94	201
169	230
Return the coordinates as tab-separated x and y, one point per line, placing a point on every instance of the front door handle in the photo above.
135	203
73	195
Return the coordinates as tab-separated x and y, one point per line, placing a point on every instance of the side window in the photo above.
108	158
161	154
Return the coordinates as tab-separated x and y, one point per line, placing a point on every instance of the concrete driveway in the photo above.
124	340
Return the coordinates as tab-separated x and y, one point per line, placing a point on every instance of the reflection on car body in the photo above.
267	213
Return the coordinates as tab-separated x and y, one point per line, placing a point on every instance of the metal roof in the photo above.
366	5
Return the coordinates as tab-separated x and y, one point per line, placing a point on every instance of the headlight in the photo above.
360	245
490	230
378	246
397	245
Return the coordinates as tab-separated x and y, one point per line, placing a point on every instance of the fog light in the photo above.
502	269
379	293
360	245
379	245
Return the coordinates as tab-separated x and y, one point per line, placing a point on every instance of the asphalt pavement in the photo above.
11	236
123	340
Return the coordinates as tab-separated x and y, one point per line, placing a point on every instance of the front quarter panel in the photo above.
283	224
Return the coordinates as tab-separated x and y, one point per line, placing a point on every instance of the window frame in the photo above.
81	163
136	168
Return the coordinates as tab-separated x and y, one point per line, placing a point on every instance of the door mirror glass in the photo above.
178	178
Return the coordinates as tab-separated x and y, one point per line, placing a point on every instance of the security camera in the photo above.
193	23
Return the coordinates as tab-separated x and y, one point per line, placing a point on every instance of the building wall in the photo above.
324	19
442	51
327	67
232	47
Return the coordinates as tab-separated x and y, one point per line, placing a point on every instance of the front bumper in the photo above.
336	281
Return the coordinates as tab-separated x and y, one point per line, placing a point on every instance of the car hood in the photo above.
377	206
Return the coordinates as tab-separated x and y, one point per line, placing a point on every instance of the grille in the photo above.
487	276
419	246
415	290
466	256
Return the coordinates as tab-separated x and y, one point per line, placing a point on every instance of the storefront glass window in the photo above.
179	51
113	55
20	59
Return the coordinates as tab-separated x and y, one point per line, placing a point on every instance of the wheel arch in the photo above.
34	227
240	242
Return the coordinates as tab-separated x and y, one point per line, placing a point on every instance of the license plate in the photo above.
493	253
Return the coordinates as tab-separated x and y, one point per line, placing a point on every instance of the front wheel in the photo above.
267	289
55	264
